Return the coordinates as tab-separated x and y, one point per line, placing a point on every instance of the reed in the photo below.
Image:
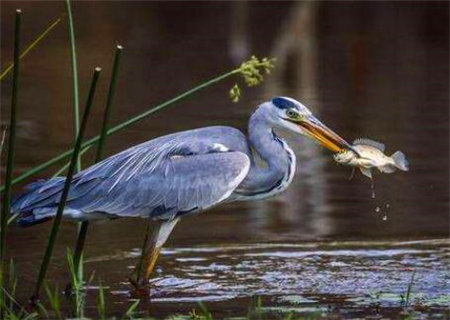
65	191
10	156
73	63
55	303
76	282
109	102
409	289
11	136
132	309
82	233
31	46
101	303
246	70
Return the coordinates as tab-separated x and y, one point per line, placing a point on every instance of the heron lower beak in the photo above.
325	136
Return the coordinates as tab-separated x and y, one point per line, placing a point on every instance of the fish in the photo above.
367	154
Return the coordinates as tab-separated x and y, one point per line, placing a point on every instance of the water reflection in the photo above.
289	273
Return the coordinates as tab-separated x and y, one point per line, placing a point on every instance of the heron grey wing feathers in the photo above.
160	178
173	187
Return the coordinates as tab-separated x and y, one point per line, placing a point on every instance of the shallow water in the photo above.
349	279
376	70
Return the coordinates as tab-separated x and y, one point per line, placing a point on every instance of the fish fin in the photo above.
352	174
363	141
366	172
400	160
387	168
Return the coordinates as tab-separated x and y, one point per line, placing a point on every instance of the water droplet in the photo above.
377	209
384	218
388	205
372	186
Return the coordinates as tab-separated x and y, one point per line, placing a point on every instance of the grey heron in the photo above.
182	173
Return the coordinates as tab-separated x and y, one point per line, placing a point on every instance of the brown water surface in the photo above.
372	69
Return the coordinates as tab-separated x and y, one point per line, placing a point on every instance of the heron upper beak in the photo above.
325	136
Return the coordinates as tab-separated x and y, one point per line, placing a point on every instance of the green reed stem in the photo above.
11	137
65	192
408	291
34	43
123	125
2	142
10	156
100	148
67	164
73	62
109	103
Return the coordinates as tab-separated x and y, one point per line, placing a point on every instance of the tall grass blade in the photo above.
53	299
408	291
132	308
101	144
33	44
101	302
14	314
30	316
65	192
241	70
12	218
42	310
2	143
12	282
205	312
73	63
10	311
10	156
76	285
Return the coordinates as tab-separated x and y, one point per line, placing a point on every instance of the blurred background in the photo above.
367	69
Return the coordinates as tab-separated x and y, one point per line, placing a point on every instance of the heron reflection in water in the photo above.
182	173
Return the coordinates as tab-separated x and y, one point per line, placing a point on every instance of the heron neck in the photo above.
278	157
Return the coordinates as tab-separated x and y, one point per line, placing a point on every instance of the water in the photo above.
376	70
346	276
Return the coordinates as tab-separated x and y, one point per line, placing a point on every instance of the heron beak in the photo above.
325	136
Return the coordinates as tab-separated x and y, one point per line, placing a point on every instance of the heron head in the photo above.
290	114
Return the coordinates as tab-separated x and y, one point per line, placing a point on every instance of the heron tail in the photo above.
37	203
30	219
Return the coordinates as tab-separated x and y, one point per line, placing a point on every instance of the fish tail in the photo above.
400	160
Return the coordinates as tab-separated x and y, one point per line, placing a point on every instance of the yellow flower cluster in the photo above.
252	71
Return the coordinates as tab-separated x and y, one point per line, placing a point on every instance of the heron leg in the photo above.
142	272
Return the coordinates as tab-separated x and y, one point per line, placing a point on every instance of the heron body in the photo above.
182	173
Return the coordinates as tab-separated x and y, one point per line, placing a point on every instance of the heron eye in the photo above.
291	114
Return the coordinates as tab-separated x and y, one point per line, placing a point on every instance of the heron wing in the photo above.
158	180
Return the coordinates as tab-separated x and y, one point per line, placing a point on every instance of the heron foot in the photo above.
141	287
